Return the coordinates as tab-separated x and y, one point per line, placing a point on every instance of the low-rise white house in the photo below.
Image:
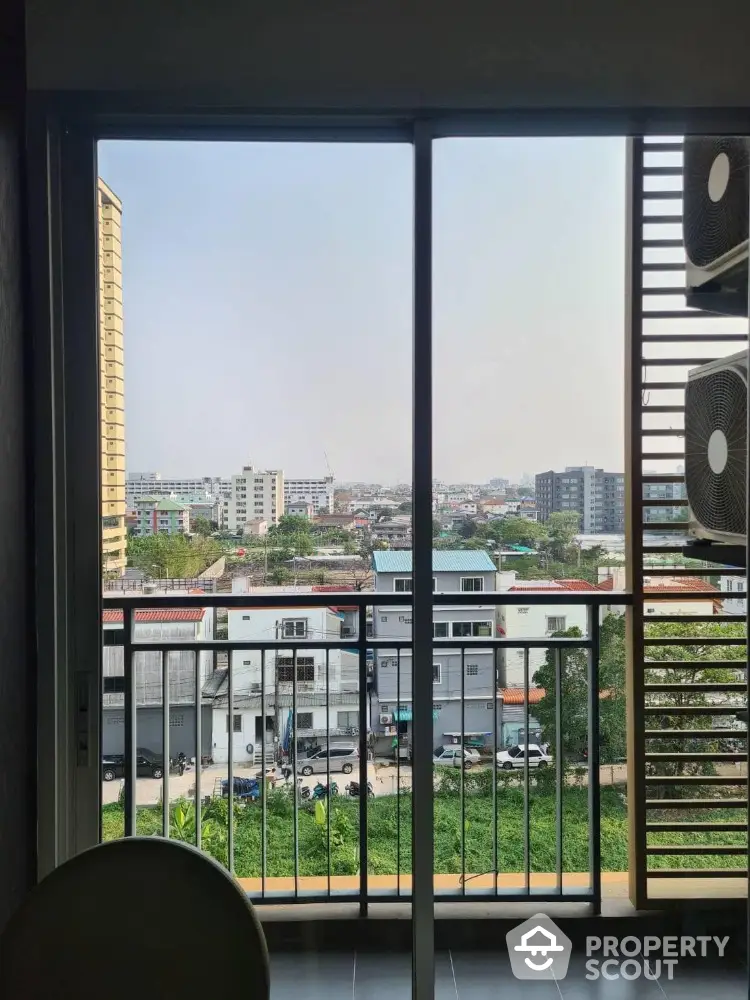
327	698
535	621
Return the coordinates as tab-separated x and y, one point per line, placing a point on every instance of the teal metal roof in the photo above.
443	561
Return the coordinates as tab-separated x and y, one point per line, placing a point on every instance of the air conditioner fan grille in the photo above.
714	227
717	402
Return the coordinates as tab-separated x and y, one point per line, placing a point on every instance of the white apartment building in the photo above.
254	494
317	492
149	484
262	685
733	585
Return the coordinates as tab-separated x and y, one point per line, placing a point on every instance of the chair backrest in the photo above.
138	918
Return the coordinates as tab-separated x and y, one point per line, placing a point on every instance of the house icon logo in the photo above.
538	949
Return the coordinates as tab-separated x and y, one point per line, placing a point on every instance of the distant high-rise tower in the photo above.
111	372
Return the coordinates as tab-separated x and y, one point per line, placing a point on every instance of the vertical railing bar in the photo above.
559	769
423	892
130	722
634	650
398	773
495	851
595	819
199	740
328	767
363	797
526	803
264	784
747	623
230	764
165	743
293	731
463	771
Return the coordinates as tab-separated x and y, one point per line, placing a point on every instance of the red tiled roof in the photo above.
114	615
688	584
523	586
514	696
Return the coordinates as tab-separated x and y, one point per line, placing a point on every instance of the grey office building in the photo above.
597	496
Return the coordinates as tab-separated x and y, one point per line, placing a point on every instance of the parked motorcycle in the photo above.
244	789
352	789
321	791
304	790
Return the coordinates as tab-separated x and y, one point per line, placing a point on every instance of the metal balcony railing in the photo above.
501	832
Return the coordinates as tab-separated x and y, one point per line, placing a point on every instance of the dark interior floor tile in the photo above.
480	975
389	977
692	982
579	984
385	976
312	976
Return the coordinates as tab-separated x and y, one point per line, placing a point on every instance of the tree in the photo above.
467	528
290	524
574	703
521	531
172	556
436	529
562	527
405	507
694	671
201	526
574	713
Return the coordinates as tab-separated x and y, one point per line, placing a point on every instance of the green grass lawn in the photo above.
389	833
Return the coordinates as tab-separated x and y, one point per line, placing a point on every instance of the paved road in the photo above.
385	777
148	790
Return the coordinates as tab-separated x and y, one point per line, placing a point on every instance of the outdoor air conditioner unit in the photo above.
716	449
716	196
386	720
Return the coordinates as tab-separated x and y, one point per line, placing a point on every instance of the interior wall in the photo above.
17	773
399	53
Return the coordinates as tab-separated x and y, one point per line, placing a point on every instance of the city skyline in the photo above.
267	296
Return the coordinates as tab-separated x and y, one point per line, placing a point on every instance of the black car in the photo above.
148	765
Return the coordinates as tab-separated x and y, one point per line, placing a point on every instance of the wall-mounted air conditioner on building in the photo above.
386	720
715	222
716	449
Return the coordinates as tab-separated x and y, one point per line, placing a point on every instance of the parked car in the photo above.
148	765
453	756
516	756
340	757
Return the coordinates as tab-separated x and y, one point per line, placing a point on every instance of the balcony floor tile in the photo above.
312	975
480	976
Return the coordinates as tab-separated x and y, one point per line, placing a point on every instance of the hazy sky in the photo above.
268	309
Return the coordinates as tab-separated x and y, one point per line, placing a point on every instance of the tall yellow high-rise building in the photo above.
111	368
